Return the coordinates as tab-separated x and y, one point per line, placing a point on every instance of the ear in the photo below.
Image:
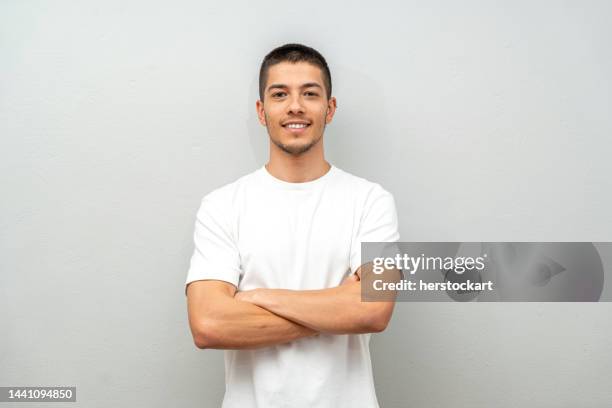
331	109
261	115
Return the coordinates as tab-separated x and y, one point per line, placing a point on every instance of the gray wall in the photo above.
487	121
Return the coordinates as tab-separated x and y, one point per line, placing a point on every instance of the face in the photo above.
295	109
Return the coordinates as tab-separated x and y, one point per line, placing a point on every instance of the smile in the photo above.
296	125
296	128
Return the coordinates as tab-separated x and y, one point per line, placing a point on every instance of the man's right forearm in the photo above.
232	324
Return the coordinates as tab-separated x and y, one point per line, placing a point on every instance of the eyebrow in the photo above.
306	85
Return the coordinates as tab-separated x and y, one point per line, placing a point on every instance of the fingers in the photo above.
352	278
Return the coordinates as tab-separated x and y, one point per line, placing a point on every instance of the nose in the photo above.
295	105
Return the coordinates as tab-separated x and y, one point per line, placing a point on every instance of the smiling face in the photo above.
295	109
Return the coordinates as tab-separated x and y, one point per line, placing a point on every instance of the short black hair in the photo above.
294	53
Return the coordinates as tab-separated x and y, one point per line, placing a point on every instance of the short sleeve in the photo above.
378	224
215	255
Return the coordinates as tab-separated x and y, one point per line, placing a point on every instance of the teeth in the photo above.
296	125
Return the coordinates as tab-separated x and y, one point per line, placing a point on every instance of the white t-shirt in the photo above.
263	232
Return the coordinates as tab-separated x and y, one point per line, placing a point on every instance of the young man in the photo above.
275	275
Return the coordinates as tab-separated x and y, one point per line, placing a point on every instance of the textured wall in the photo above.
487	121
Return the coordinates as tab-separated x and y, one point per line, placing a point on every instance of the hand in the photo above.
352	278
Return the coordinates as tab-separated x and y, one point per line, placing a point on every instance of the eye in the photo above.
278	94
309	93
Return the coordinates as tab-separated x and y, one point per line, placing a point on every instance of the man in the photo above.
275	275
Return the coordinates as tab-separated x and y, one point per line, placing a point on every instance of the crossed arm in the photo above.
221	318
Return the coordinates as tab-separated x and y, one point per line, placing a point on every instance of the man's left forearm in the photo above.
337	310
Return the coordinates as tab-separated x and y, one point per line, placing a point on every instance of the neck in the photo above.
297	169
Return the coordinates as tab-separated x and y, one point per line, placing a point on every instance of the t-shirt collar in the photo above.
306	185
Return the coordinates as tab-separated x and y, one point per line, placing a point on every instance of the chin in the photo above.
295	148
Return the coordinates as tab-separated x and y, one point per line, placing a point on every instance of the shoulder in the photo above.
361	187
222	204
227	194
